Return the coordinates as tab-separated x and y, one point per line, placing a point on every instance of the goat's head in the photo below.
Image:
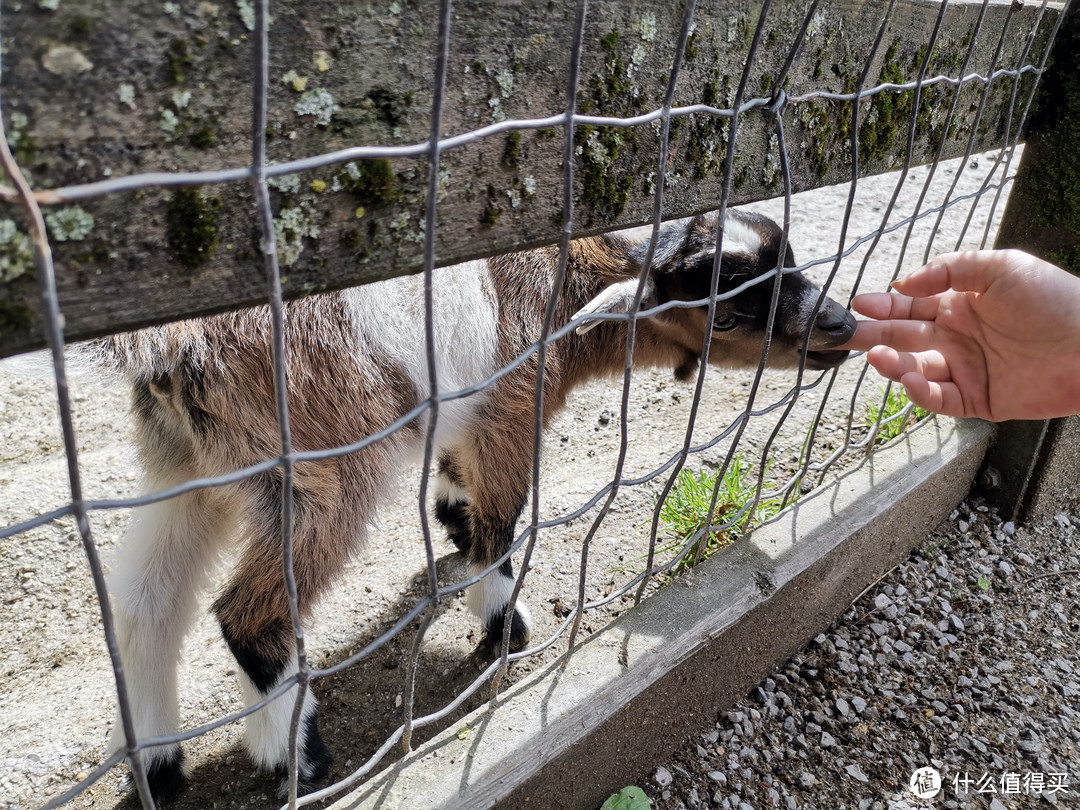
682	270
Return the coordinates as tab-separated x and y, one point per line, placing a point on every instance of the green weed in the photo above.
888	415
629	798
685	512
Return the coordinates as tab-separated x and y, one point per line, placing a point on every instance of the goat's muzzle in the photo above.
834	326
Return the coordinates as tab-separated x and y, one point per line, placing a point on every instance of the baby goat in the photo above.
204	405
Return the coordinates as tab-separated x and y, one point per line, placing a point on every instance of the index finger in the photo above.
966	271
885	306
904	336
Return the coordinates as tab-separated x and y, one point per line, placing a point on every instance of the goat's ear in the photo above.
616	298
789	257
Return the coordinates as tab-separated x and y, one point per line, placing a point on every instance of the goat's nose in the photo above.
833	318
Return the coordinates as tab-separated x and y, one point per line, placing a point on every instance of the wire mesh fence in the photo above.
392	657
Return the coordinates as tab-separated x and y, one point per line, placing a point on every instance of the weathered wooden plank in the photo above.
96	89
1043	218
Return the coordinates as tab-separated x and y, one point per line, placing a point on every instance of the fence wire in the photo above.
812	462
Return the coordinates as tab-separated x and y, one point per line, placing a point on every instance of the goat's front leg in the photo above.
497	473
162	567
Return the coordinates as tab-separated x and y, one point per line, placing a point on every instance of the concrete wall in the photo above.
600	717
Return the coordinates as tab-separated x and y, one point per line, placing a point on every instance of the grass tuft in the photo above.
684	513
894	414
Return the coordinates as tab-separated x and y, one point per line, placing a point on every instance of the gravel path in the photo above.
964	658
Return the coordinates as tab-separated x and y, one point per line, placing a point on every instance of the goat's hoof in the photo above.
519	634
166	777
316	762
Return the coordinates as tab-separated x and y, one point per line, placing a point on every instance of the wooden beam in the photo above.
100	91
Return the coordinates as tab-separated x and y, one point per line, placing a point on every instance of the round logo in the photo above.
925	783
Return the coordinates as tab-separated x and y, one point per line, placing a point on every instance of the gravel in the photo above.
964	658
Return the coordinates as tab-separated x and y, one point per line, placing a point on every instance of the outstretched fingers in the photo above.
902	335
895	364
940	397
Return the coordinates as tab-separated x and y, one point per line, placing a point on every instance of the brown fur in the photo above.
214	412
205	401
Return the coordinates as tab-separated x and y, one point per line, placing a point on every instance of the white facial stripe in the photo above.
740	238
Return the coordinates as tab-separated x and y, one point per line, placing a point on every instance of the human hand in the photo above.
993	334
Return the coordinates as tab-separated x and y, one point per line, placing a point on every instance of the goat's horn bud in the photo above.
616	298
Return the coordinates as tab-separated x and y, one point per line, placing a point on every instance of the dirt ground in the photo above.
56	706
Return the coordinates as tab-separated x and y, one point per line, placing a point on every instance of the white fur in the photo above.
489	596
450	491
166	560
389	315
79	367
266	732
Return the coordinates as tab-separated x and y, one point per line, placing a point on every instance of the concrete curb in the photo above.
577	731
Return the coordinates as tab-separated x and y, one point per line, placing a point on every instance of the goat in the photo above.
203	404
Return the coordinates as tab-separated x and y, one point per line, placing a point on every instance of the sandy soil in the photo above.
56	706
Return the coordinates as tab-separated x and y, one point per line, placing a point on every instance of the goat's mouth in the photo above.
821	360
835	326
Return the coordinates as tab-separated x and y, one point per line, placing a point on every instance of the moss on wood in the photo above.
889	114
191	229
14	316
372	182
511	157
606	189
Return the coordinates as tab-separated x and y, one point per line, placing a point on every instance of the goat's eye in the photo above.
725	322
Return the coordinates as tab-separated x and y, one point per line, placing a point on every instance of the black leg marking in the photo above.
456	520
263	671
519	633
453	515
166	777
315	761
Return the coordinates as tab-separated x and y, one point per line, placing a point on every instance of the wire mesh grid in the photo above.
638	484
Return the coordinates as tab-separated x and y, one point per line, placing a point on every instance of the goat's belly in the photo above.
389	318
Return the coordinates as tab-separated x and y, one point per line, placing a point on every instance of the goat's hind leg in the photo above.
452	501
497	478
162	567
255	619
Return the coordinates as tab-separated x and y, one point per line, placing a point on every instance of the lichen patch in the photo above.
63	60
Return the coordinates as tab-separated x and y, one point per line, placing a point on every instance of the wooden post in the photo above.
1043	218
